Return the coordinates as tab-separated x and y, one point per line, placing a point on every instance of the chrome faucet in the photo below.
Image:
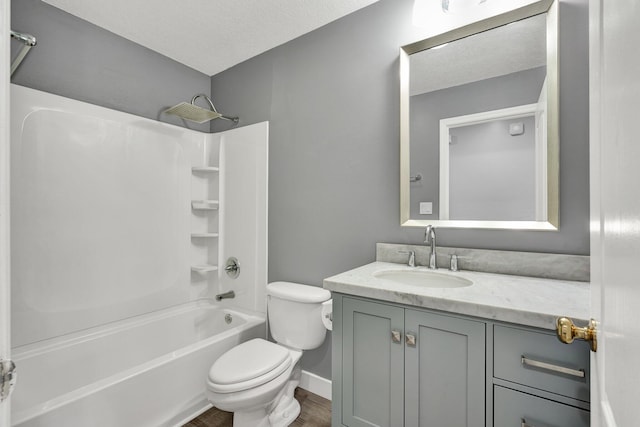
225	295
430	239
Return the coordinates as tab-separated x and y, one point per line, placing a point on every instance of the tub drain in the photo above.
228	318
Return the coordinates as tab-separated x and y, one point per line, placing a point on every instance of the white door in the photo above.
615	210
4	195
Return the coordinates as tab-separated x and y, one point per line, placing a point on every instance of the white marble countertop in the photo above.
516	299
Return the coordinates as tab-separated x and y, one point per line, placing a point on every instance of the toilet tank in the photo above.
294	312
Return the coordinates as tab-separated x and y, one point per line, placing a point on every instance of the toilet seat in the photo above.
239	369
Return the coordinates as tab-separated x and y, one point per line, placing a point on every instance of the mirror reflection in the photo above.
480	146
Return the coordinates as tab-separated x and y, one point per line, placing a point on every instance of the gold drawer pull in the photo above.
554	368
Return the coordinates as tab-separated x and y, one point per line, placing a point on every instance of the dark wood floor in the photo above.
315	412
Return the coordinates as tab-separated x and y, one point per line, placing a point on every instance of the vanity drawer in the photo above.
512	408
540	360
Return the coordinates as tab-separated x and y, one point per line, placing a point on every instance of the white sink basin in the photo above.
428	279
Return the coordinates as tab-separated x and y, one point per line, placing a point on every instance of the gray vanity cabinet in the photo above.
402	367
399	366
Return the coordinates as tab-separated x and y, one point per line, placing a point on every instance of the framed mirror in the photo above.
479	143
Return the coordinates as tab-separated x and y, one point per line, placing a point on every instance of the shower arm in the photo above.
29	41
222	116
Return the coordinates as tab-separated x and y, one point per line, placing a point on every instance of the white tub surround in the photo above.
120	226
104	225
515	299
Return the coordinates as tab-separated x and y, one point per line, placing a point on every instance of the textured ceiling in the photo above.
210	35
504	50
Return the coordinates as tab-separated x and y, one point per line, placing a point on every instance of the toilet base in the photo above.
286	408
282	413
257	418
285	416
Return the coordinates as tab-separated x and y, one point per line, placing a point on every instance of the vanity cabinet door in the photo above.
444	371
372	365
513	408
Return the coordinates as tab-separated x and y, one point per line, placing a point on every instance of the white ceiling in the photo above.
515	47
210	35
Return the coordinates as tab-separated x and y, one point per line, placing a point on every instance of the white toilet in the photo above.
256	380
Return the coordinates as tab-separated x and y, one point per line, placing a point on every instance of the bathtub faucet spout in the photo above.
225	295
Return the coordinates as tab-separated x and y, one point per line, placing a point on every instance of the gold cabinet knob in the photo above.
567	332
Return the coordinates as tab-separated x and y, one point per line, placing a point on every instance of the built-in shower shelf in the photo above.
206	205
205	169
205	172
205	268
204	235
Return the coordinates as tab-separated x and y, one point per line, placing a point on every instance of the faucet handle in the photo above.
411	262
453	264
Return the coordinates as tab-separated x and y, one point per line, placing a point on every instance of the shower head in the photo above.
193	112
190	111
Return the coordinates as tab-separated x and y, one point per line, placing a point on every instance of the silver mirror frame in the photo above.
553	138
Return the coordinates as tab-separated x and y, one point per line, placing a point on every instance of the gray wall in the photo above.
79	60
332	99
428	109
492	173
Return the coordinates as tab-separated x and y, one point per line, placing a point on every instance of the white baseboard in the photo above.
316	384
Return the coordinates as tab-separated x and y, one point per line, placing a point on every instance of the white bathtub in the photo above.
149	370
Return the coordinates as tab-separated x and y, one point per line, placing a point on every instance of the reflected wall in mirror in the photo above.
479	124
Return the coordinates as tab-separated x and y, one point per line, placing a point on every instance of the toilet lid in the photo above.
297	292
252	360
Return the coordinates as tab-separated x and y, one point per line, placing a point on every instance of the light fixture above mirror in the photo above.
460	6
479	123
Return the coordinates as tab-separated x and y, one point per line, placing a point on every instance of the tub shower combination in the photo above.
118	225
148	370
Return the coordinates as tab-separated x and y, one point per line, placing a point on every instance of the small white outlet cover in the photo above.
426	208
